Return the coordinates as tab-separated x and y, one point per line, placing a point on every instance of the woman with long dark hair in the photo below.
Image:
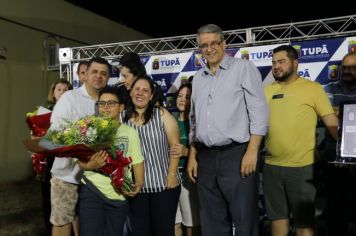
152	212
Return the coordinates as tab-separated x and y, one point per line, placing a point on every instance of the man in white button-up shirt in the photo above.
66	174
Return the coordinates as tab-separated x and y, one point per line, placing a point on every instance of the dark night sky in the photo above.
185	17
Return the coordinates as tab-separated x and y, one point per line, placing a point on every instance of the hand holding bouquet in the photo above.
83	138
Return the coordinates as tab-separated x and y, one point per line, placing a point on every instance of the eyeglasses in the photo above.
213	44
350	68
109	103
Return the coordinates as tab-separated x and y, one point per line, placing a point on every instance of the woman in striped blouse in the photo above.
152	212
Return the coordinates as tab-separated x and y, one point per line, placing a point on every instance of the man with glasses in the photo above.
345	88
66	174
109	104
228	121
340	180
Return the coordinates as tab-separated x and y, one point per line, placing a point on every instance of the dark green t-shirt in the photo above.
184	139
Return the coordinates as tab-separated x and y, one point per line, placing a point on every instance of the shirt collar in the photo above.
224	64
84	91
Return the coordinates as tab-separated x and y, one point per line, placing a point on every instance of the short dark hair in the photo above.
291	52
98	60
120	92
81	64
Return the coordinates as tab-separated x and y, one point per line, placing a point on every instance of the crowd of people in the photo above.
196	169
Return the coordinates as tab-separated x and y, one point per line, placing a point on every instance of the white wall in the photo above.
24	79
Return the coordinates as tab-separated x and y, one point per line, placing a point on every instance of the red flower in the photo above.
39	124
114	168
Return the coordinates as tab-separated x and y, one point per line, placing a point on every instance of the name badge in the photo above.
278	96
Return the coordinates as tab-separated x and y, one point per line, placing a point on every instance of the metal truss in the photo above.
314	29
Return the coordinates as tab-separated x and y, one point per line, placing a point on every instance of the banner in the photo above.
319	61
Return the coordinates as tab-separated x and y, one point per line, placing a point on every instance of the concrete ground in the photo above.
21	209
21	212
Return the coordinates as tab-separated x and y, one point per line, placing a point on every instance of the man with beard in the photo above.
345	88
340	180
295	103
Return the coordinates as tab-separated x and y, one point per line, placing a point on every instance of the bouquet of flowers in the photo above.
39	121
93	131
81	139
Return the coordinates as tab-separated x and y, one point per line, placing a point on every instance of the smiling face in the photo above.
141	93
109	105
97	76
212	47
127	77
183	99
58	91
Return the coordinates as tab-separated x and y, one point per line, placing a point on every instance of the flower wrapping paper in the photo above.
115	167
39	122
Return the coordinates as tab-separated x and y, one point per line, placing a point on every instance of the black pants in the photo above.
99	217
224	196
154	214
